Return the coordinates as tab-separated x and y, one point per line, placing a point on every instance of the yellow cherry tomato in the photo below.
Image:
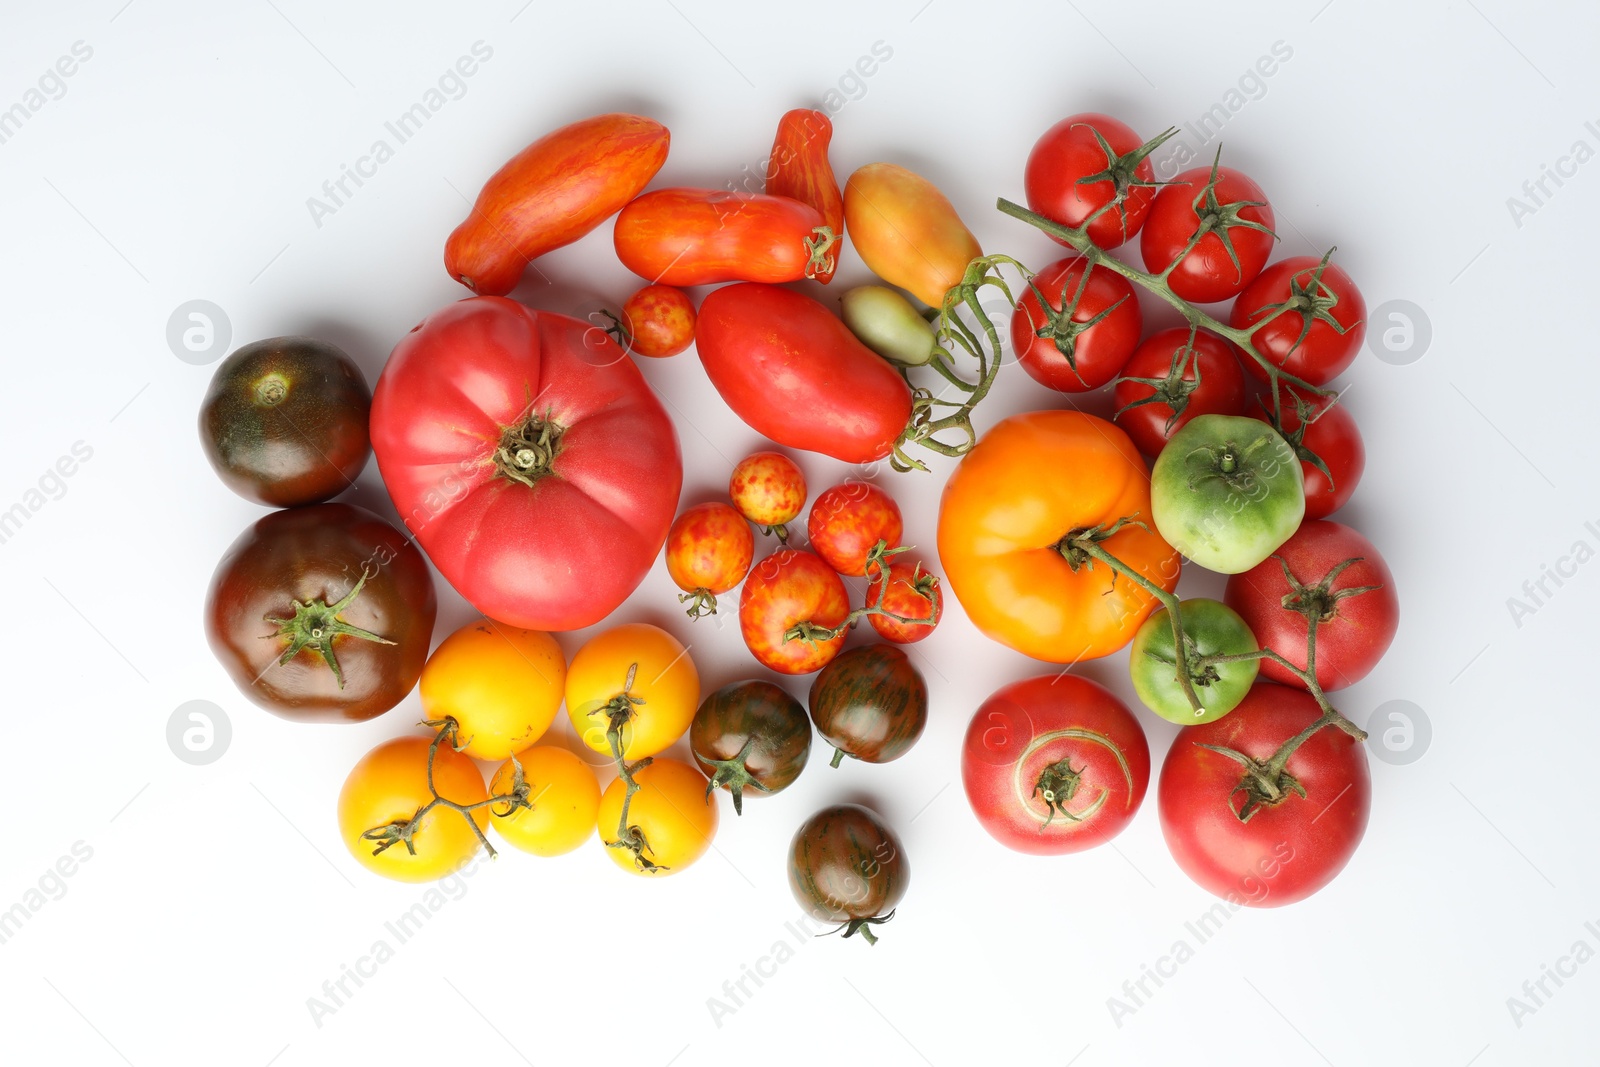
388	787
502	686
906	231
674	818
665	689
565	796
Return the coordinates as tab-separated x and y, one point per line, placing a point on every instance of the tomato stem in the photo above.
807	630
704	602
618	712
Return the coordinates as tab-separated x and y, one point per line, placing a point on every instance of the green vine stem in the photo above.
619	712
878	558
401	831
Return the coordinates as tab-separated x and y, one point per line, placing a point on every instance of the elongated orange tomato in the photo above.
799	168
1028	483
703	236
550	194
907	233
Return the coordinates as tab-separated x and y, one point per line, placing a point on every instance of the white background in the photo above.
177	164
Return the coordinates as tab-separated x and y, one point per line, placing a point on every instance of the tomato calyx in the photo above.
1320	602
315	623
1234	466
820	245
1218	218
1306	413
270	390
704	602
1122	171
528	450
863	926
735	775
1060	324
402	831
1264	784
808	631
619	712
1175	388
1058	783
1313	302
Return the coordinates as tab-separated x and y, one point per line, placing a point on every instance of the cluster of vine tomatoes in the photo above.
531	461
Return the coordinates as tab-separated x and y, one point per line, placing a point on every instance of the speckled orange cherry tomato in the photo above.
787	588
709	550
913	593
769	489
848	520
657	321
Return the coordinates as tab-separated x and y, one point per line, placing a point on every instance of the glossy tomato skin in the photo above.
390	785
794	372
1324	352
284	421
999	522
905	599
709	547
664	683
1206	274
870	703
1332	436
1098	353
704	236
565	796
658	321
907	232
671	811
1286	851
550	194
846	864
502	686
768	488
788	587
848	520
1353	633
751	738
317	554
557	546
1215	630
799	169
1220	389
1064	734
1067	153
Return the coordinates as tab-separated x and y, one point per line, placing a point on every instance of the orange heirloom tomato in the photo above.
709	550
703	236
769	489
907	232
1030	481
389	785
674	816
799	168
502	685
665	687
789	587
565	796
550	194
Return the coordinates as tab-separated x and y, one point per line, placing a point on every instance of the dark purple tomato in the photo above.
750	735
846	866
870	703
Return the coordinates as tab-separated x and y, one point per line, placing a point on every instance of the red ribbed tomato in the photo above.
529	457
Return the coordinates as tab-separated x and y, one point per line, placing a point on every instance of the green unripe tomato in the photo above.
887	323
1214	630
1226	491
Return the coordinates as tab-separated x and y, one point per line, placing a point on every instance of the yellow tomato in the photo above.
665	689
501	685
906	232
565	796
389	785
674	817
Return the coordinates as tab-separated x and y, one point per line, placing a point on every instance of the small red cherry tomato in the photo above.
769	489
848	520
913	593
1054	764
1085	330
785	589
709	550
704	236
1332	437
1070	176
657	321
1156	382
1321	331
1234	214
